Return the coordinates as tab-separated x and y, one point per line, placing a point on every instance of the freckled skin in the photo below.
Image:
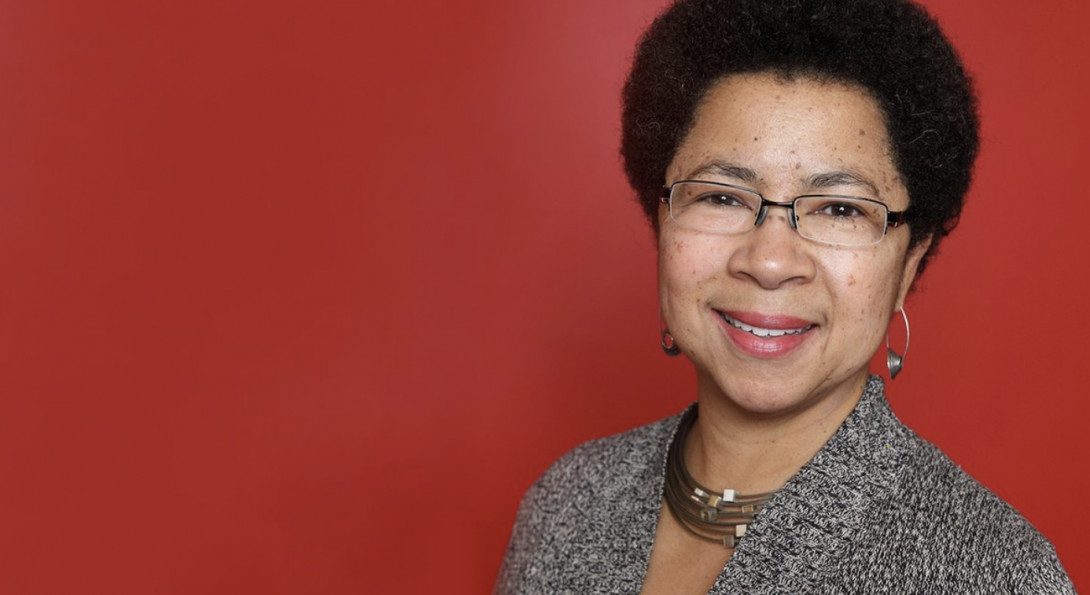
799	129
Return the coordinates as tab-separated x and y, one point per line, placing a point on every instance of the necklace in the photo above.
720	517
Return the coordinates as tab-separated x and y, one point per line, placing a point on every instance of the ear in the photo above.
908	274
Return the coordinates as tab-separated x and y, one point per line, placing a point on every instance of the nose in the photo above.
773	254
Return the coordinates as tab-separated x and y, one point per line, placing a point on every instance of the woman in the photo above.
800	161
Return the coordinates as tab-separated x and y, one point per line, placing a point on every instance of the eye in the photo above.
840	210
722	199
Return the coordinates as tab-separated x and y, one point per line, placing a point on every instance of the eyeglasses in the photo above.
718	208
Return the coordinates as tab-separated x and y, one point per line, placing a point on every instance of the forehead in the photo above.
788	130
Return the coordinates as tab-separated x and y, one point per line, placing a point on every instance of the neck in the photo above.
731	447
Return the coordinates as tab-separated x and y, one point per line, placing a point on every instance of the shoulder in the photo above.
942	494
570	505
611	462
942	524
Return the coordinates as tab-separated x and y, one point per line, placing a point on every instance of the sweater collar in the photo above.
796	539
810	523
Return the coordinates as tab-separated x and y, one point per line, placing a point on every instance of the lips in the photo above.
763	335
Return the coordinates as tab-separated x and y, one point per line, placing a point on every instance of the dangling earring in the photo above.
896	362
669	345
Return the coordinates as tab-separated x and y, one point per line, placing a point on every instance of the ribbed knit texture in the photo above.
877	510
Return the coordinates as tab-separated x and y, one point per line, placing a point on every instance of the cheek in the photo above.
864	289
671	264
686	267
684	257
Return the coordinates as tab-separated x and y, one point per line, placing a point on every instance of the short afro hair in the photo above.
891	48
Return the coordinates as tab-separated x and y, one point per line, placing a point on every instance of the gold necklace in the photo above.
720	517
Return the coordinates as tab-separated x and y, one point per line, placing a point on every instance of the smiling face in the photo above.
772	321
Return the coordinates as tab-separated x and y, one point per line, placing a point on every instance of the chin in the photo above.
766	404
761	396
777	394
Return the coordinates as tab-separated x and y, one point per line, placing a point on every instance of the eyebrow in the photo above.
722	168
816	181
841	178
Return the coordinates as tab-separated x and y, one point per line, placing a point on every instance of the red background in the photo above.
299	297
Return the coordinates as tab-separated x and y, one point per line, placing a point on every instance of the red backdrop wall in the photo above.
299	297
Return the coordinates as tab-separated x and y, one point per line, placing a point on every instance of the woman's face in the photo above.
784	139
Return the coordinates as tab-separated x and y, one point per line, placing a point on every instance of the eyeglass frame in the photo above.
894	219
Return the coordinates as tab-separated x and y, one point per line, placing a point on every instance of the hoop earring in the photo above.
669	345
894	361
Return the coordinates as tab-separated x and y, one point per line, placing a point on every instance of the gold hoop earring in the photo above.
894	361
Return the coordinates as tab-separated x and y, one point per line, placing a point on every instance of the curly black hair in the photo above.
891	48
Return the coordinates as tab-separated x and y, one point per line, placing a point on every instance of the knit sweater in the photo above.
877	510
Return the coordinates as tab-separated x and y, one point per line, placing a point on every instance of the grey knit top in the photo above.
877	510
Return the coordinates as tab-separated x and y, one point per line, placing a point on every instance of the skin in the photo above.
763	417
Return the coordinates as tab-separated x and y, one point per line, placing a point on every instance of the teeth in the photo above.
765	332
